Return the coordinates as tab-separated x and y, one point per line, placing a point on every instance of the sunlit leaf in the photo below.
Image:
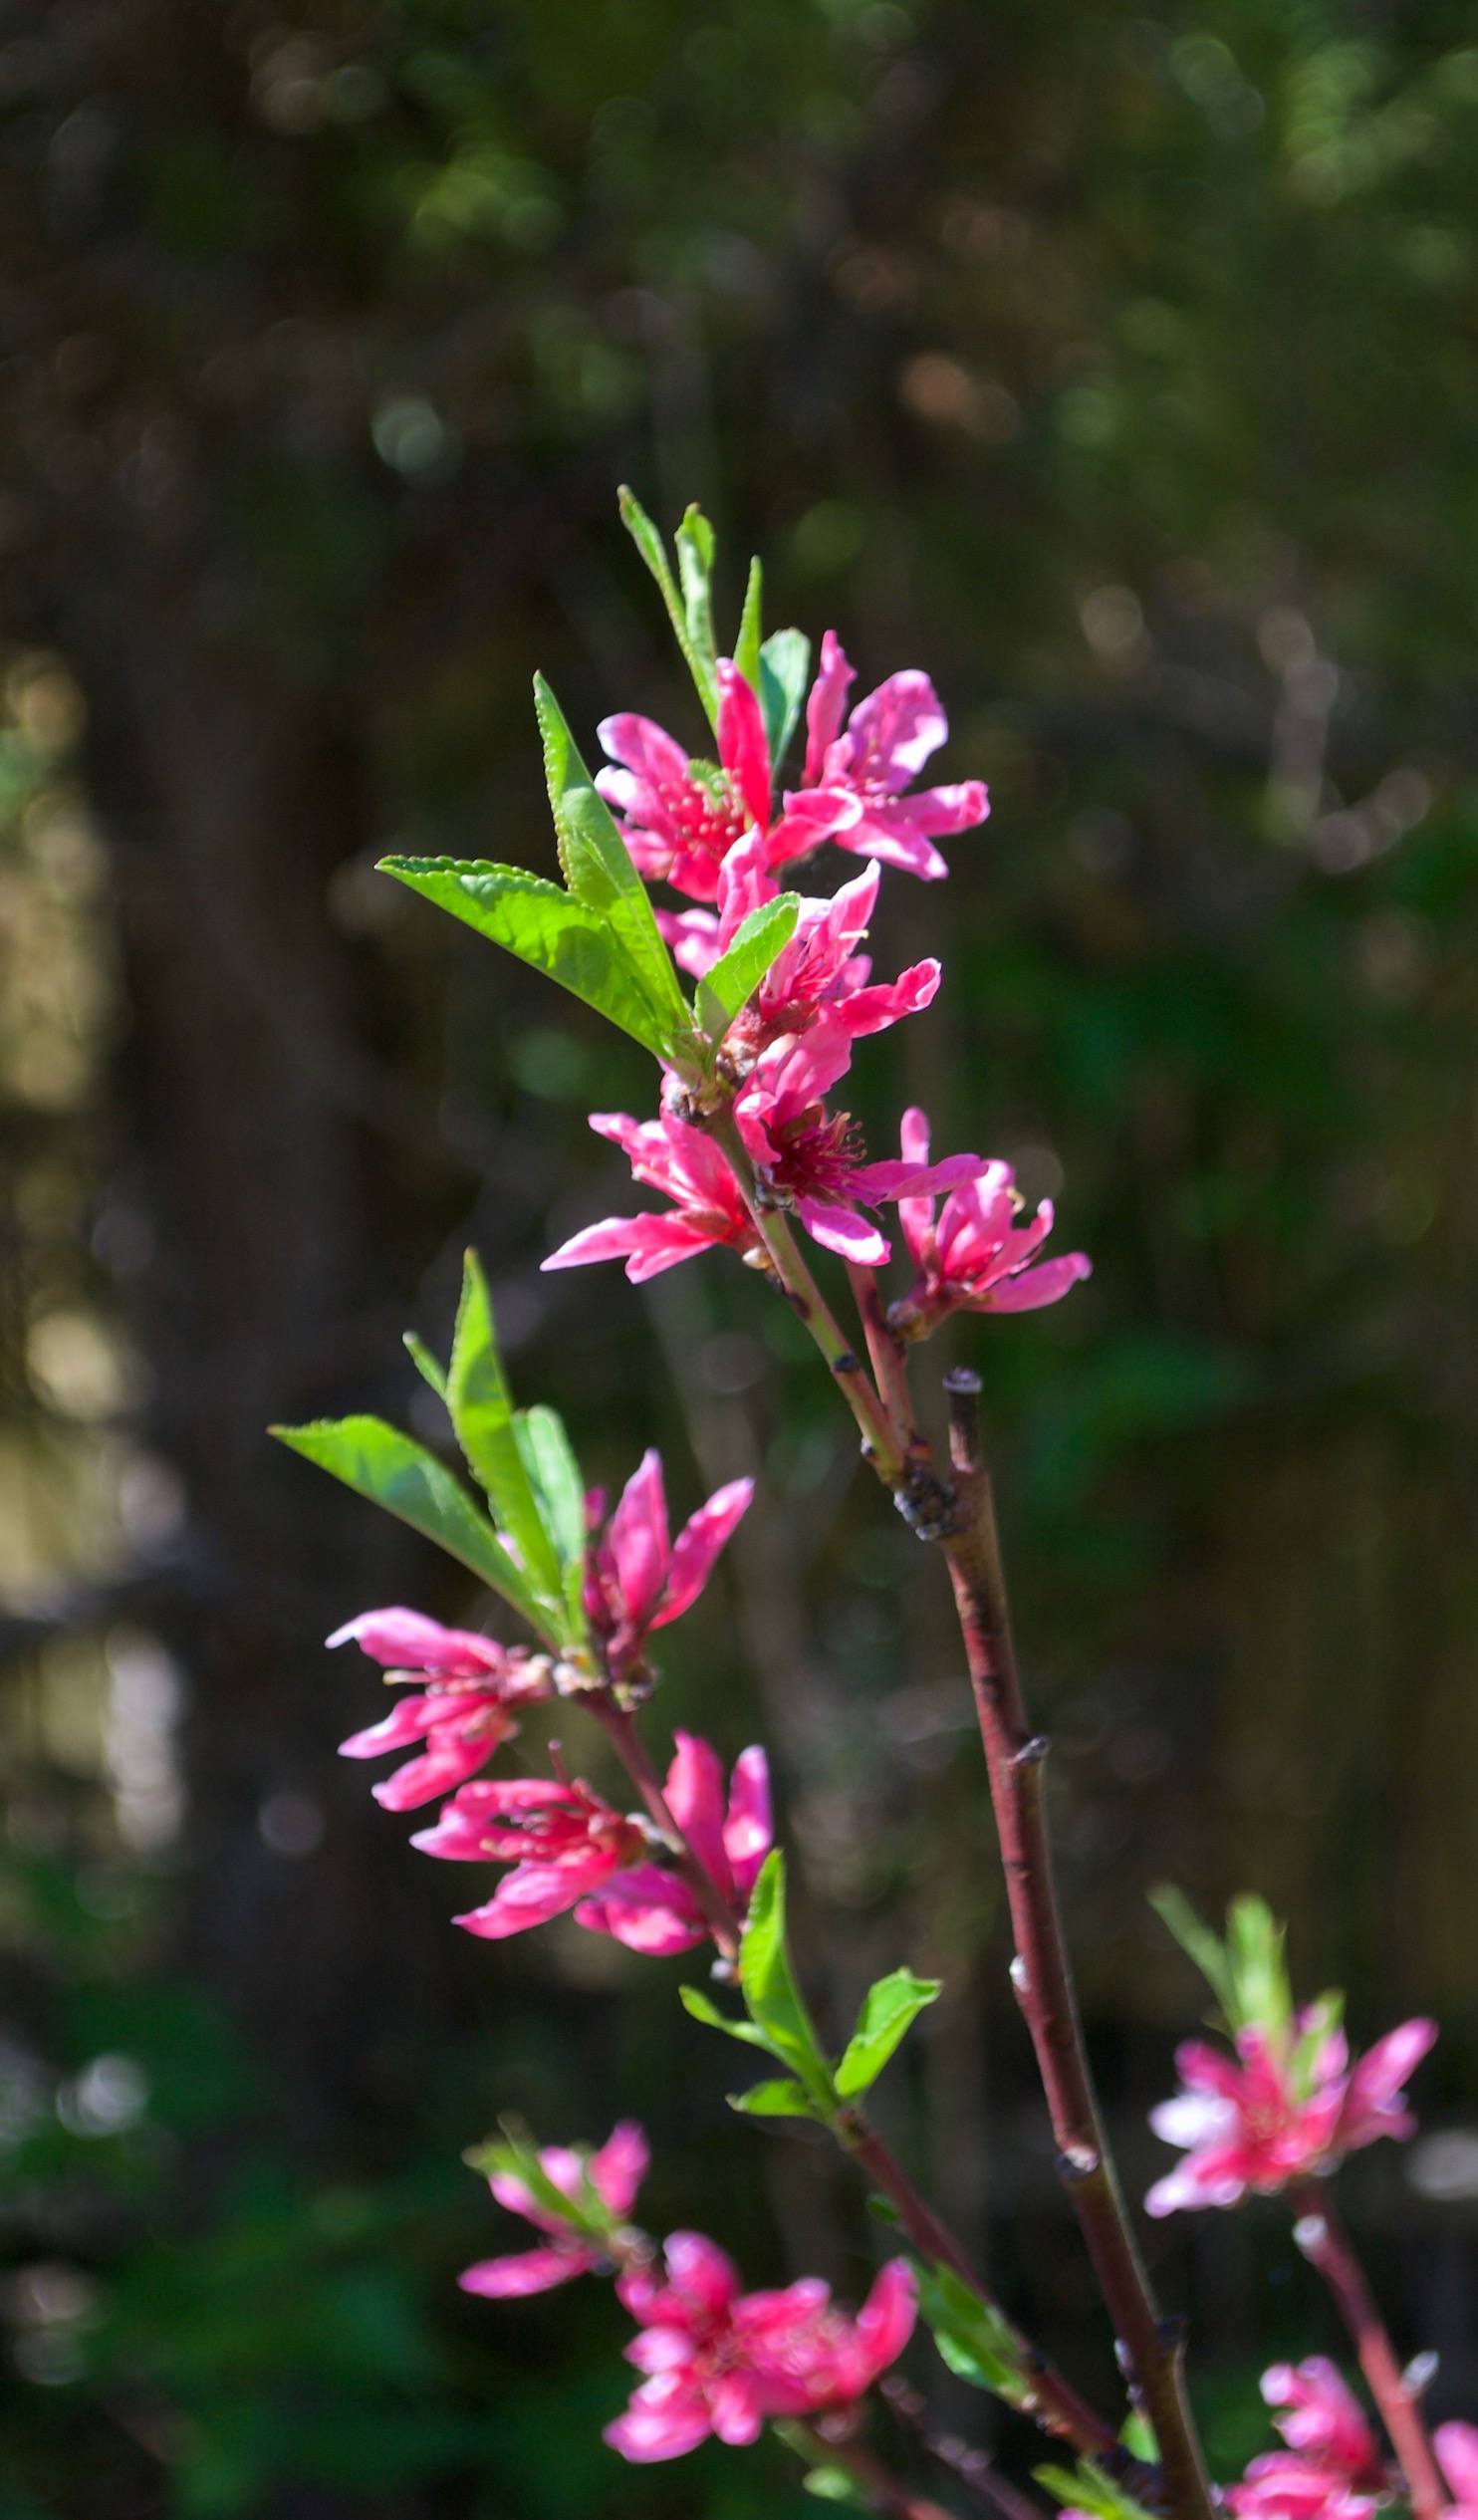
785	663
567	939
738	973
888	2010
769	1985
773	2100
481	1406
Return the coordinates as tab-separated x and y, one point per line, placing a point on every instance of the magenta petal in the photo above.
637	1540
451	1758
698	1544
529	1895
743	746
938	813
893	732
737	2404
1456	2445
406	1640
695	1798
1046	1284
640	745
617	2169
749	1829
657	1923
531	2271
892	1180
893	844
645	2434
406	1722
841	1229
701	2273
613	1239
825	705
872	1010
887	2318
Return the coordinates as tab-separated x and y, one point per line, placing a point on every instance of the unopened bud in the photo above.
1309	2233
1419	2373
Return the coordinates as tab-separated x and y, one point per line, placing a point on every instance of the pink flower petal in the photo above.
825	705
649	1910
637	1540
529	1895
404	1640
531	2271
406	1722
841	1229
891	733
451	1756
892	1180
700	2274
695	1798
749	1829
871	1010
1456	2445
698	1544
1046	1284
617	2169
885	2320
743	746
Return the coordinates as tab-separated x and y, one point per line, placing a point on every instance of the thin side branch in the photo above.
1326	2245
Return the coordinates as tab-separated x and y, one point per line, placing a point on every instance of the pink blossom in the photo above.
720	2361
462	1715
615	2174
811	1159
653	1911
687	1167
563	1841
821	966
857	774
680	818
1331	2468
1456	2445
1288	2108
977	1256
637	1577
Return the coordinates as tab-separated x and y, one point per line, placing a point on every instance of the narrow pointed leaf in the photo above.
399	1474
768	1982
565	939
597	861
429	1368
747	644
888	2010
773	2100
1255	1941
973	2336
649	542
695	551
784	662
702	2007
550	1461
1199	1943
738	973
482	1414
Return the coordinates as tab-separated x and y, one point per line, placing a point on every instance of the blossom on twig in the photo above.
462	1713
563	1840
720	2361
613	2175
1331	2469
1289	2107
818	969
637	1576
680	818
811	1159
976	1258
687	1167
654	1911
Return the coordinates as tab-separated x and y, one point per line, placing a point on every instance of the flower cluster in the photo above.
463	1710
609	2178
1289	2107
637	1577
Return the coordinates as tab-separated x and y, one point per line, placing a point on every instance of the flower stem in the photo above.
976	2469
879	2487
889	1360
1326	2245
1041	1972
884	1441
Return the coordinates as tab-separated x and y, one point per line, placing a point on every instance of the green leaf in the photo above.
973	2338
399	1474
597	864
694	2000
773	2100
1259	1969
738	973
770	1990
649	542
567	939
516	2157
888	2010
747	644
1199	1943
482	1414
785	663
831	2484
1087	2488
555	1473
429	1368
695	553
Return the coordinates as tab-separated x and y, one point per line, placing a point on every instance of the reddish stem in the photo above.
1326	2245
976	2469
631	1749
1041	1973
890	1363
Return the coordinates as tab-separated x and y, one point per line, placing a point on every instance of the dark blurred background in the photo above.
1119	365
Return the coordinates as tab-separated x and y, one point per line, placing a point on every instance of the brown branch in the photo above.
886	1350
976	2469
1327	2246
1014	1758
